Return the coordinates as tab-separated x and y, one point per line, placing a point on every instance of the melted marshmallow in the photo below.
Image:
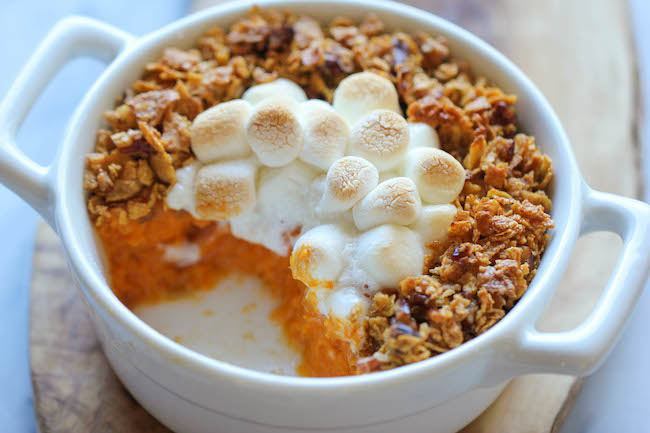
181	195
323	185
285	202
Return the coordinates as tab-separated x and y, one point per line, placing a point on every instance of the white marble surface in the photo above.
615	399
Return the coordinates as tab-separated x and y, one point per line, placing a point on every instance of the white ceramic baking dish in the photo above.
192	393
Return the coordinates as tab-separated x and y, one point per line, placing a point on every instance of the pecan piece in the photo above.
151	106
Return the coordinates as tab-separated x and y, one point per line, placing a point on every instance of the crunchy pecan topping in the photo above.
383	305
434	50
179	59
121	119
371	25
502	114
306	30
151	106
176	133
160	160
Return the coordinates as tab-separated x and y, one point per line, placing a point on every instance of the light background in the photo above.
615	399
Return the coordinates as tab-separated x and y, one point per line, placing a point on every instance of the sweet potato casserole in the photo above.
378	188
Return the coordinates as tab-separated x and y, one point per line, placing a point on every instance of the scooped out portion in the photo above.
303	180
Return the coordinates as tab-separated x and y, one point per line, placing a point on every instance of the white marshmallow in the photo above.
285	202
381	137
394	201
390	253
279	87
342	302
422	135
224	189
313	106
359	94
434	221
218	132
326	133
274	133
316	259
437	174
181	195
348	180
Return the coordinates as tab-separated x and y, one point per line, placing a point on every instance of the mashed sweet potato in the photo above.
139	274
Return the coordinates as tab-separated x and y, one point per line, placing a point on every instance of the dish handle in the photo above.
580	351
71	38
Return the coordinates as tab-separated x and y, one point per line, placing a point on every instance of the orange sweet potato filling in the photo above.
139	274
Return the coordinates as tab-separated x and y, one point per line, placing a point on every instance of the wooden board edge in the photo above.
566	407
44	239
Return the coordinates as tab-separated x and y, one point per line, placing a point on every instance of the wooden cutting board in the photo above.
579	53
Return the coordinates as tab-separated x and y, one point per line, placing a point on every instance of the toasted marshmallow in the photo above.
359	94
393	201
422	135
348	180
316	258
274	133
218	132
326	133
224	189
279	87
381	137
437	174
390	253
434	221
